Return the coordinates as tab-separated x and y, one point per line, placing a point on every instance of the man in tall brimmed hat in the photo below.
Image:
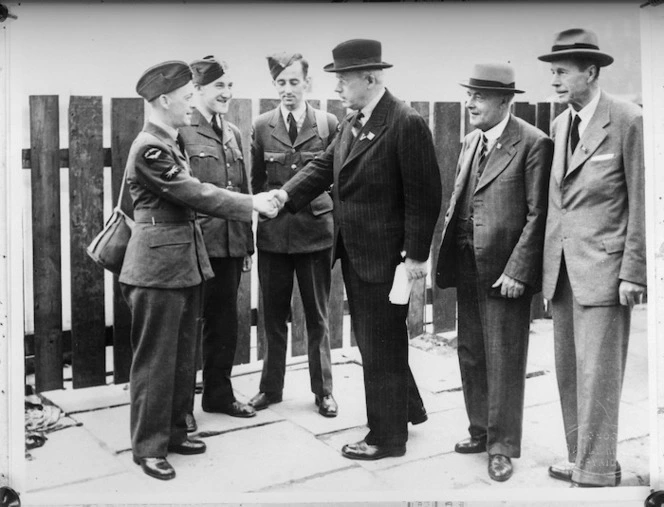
594	253
165	266
283	141
491	252
386	201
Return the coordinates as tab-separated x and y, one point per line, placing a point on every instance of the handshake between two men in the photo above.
270	203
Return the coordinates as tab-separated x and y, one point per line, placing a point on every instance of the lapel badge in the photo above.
499	146
368	136
585	150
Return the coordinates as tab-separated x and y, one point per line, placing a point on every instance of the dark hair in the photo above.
584	63
297	57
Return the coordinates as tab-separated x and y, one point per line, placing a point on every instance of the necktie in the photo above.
292	128
357	124
574	133
180	143
215	126
482	151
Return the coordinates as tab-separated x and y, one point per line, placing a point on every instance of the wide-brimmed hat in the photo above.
357	54
497	77
579	43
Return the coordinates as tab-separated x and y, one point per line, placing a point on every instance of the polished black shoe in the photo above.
500	467
264	400
235	409
327	406
158	468
562	471
189	446
191	423
471	445
419	417
363	451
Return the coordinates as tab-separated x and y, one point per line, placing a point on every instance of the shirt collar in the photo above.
368	109
587	112
173	133
298	113
497	130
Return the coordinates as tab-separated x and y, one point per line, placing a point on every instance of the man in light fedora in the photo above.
491	252
386	201
594	253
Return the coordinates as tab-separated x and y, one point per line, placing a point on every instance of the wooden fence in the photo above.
86	159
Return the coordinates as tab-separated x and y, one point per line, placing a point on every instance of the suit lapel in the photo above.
560	146
307	131
372	130
278	125
501	154
592	137
466	164
203	126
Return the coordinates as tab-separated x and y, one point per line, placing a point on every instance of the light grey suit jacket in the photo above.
596	216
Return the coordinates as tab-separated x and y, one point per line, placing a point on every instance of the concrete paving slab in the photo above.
298	403
540	346
72	401
353	478
435	372
109	426
543	433
68	456
634	458
541	389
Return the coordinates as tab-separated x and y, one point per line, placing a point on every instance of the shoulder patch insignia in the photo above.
171	173
152	154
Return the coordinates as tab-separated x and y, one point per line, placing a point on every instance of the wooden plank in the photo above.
64	158
86	187
127	118
261	338
265	105
525	111
335	107
314	103
336	308
239	114
447	125
46	255
543	121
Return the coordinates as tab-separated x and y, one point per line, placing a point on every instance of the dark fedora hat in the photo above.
497	77
577	43
357	54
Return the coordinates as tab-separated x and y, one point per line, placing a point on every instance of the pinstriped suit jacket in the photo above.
386	189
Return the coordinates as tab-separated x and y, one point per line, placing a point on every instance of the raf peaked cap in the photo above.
163	78
207	70
497	77
357	54
279	61
577	43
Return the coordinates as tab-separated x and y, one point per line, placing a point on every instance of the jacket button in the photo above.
202	154
292	150
271	159
294	166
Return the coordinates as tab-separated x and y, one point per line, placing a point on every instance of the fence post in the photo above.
127	118
86	183
46	255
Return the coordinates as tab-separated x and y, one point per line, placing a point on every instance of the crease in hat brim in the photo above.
492	88
364	66
602	58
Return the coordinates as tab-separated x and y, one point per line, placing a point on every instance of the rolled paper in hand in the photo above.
401	286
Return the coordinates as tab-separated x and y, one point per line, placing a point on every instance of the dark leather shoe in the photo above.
158	468
363	451
191	423
500	467
471	445
419	417
189	446
327	406
235	409
264	400
562	471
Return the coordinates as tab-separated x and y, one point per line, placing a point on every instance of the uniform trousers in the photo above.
219	334
591	350
164	325
492	348
391	393
314	276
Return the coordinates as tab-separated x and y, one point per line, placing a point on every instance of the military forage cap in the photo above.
207	70
163	78
279	61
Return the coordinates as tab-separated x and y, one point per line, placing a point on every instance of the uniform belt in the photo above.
155	216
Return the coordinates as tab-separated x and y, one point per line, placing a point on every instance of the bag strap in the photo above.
123	182
322	126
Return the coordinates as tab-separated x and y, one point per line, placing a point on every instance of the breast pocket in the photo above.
278	172
205	163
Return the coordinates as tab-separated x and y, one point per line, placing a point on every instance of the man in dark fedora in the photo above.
594	253
491	252
283	141
386	201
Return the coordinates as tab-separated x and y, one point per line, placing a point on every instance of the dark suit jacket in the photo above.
275	160
220	162
166	248
509	207
597	210
386	190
